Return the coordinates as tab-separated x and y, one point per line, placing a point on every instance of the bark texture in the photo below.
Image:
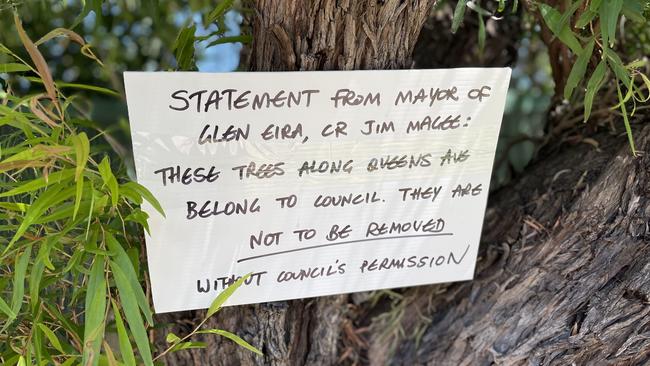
307	35
336	35
564	274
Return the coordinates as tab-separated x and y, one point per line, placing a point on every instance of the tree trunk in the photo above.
307	35
563	275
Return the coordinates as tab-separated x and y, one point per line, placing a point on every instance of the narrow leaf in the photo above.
109	180
13	67
38	183
609	13
594	84
172	338
95	310
184	48
628	128
121	259
82	151
54	341
232	337
579	69
231	39
4	307
459	14
133	318
225	295
187	345
219	10
560	29
18	289
123	337
47	199
144	192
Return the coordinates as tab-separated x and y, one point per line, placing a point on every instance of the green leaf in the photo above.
18	289
144	193
79	187
95	310
585	18
225	295
70	361
13	67
35	278
37	346
109	180
172	338
595	5
560	28
4	307
184	48
121	259
130	308
64	85
609	12
633	10
82	151
459	14
51	197
140	217
123	337
579	69
14	206
231	39
502	6
38	183
481	34
232	337
54	341
616	64
81	147
38	152
219	10
626	121
594	84
187	345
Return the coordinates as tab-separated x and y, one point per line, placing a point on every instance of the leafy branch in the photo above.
71	227
588	29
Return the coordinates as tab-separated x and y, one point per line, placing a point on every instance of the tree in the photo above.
562	276
312	35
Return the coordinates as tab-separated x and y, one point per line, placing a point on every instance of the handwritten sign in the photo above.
317	183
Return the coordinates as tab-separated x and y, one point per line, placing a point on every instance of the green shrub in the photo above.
70	230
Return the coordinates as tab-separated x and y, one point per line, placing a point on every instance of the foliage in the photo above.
590	29
184	45
70	225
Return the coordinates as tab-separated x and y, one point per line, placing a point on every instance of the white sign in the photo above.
317	183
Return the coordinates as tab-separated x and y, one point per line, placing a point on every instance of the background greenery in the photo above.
73	286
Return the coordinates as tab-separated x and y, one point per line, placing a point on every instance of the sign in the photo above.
317	183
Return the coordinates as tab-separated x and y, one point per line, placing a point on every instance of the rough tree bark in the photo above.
563	275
